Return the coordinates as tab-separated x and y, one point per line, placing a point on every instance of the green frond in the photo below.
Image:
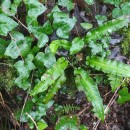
54	88
50	76
86	84
109	66
105	29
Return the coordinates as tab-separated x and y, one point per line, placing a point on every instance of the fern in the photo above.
54	88
50	76
68	108
109	66
68	122
86	84
115	81
105	29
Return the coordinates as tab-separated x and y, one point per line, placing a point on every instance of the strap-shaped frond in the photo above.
106	28
52	91
85	83
50	76
109	66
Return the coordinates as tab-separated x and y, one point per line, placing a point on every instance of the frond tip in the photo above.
109	66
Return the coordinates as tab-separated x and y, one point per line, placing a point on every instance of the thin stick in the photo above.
32	121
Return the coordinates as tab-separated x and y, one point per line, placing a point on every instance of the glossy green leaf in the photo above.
50	76
106	28
109	66
90	2
47	28
86	25
24	67
77	45
68	122
59	44
69	4
85	83
19	45
124	9
41	125
35	8
54	88
9	7
124	96
101	19
6	24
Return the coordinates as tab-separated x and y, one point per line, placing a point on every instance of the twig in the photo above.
32	121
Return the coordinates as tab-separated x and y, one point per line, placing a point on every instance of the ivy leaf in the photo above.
35	8
22	82
59	44
86	26
101	19
18	46
41	125
86	84
68	122
42	39
90	2
77	45
6	24
50	76
24	68
47	28
49	58
109	66
123	10
68	3
124	96
10	8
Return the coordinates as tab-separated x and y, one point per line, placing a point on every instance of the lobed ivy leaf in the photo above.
19	45
124	9
68	4
24	67
124	96
109	66
86	26
68	122
59	44
35	8
77	45
10	8
85	83
50	76
6	24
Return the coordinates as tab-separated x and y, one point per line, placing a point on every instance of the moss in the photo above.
126	42
7	76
